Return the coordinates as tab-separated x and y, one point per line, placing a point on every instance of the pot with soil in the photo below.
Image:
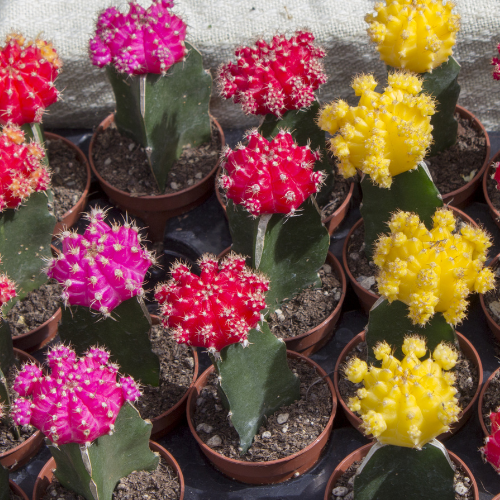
490	191
490	303
288	445
16	492
469	369
70	179
489	401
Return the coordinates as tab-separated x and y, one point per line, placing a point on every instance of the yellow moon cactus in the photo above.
432	271
417	35
409	402
386	134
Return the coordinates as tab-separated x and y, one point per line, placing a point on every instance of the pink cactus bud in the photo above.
7	289
276	77
270	177
27	75
214	310
496	62
78	402
141	41
28	380
103	267
496	174
21	172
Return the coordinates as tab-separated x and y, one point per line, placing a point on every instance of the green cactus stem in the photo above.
124	333
4	484
394	472
164	113
7	358
94	471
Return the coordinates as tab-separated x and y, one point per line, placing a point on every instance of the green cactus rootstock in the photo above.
255	381
7	357
278	244
164	113
4	484
395	472
390	323
412	191
125	334
94	471
302	125
25	237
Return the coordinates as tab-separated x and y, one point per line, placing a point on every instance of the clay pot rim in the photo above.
109	119
486	176
153	445
363	451
83	159
209	451
480	402
57	315
360	338
17	490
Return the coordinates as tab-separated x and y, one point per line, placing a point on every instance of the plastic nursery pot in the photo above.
481	402
366	297
466	347
495	214
274	471
462	197
494	326
331	222
21	454
73	214
156	210
361	453
16	490
312	341
168	420
46	475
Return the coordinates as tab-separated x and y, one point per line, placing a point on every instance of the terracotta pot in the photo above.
16	490
46	475
366	297
21	454
481	400
494	326
156	210
168	420
361	453
466	347
463	196
73	214
275	471
496	497
312	341
331	223
495	214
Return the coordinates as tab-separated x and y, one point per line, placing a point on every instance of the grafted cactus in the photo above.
491	448
160	86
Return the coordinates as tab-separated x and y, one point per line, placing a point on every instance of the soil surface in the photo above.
345	484
491	400
176	375
287	431
69	176
35	309
12	496
160	484
309	308
455	167
466	373
124	164
491	186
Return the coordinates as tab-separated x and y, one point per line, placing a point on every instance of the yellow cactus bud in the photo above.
418	36
386	134
432	271
355	370
445	356
408	402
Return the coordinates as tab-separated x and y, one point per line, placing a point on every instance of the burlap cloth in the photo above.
216	27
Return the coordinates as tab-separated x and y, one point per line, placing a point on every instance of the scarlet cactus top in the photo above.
496	62
386	134
409	402
214	310
27	75
78	402
269	177
21	171
491	449
103	267
417	35
432	271
275	77
141	41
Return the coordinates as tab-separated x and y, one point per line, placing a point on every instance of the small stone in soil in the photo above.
366	281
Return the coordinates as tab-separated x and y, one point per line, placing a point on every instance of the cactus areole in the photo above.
78	402
102	268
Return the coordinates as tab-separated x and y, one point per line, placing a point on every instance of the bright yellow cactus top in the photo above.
417	35
432	271
386	134
409	402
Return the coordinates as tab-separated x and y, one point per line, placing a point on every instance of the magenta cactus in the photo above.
78	402
496	62
7	289
491	448
141	41
269	177
275	77
214	310
102	268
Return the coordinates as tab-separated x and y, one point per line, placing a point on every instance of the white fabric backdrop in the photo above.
216	27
